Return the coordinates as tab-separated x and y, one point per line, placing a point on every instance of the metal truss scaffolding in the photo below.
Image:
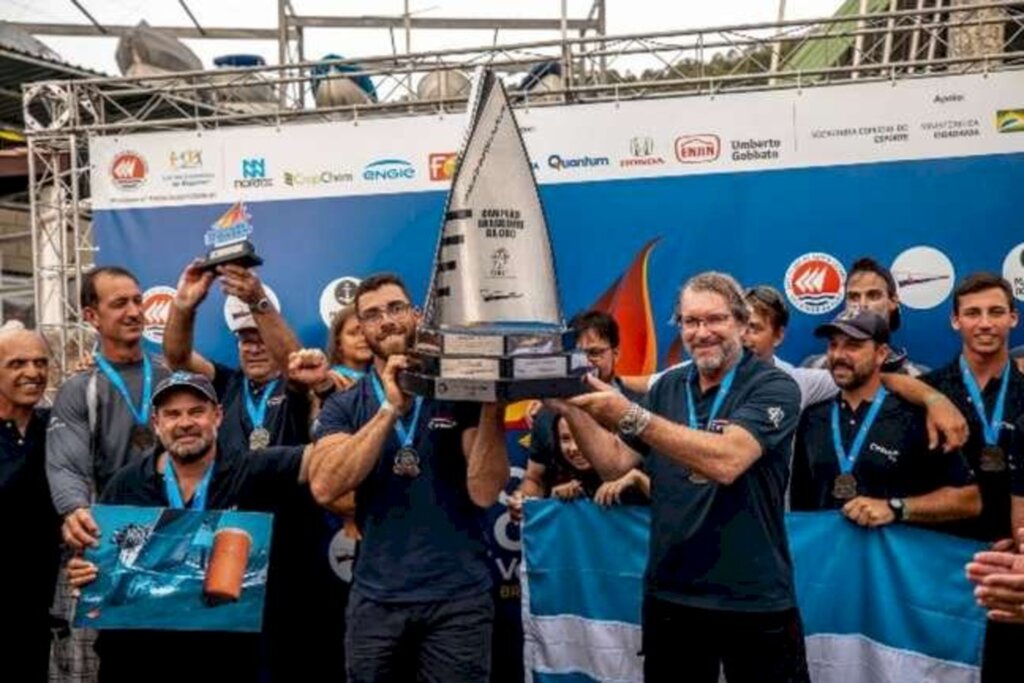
910	39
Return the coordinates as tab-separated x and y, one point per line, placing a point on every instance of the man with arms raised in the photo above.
424	472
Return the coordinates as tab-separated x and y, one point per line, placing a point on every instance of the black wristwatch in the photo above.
261	306
898	507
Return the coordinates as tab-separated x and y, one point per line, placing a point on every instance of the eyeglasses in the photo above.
712	322
595	352
394	310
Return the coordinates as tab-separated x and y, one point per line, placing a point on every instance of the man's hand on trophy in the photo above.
604	403
400	400
240	282
193	286
310	367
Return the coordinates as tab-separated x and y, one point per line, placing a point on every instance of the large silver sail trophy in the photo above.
492	325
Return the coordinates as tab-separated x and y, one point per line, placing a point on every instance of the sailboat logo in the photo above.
814	283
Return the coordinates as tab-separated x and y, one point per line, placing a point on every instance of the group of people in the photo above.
719	446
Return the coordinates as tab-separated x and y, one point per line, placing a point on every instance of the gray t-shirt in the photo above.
79	460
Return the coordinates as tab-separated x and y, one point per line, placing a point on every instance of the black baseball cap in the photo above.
193	381
857	324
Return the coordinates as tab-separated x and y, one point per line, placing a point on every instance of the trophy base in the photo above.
239	253
490	390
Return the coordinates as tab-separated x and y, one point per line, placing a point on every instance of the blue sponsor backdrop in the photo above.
751	224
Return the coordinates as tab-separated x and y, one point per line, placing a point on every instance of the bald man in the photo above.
31	525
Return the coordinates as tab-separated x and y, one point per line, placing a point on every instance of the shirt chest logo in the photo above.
441	423
275	400
891	454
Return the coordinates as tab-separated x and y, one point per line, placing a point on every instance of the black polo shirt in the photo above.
288	410
423	538
33	526
715	546
1017	459
894	462
259	481
994	522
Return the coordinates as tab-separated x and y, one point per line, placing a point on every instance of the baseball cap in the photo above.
238	315
199	384
857	324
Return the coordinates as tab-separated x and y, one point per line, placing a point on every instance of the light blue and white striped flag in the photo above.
887	605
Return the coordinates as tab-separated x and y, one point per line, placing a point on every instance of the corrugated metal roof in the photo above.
18	68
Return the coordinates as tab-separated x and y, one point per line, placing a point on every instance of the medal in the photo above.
141	438
259	439
716	405
845	487
992	459
407	462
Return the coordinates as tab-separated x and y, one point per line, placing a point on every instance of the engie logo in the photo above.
442	166
389	169
814	283
128	170
156	306
254	173
698	149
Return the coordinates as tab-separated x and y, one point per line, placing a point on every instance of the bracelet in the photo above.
387	407
933	398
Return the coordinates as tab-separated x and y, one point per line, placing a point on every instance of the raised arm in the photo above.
275	332
487	466
193	286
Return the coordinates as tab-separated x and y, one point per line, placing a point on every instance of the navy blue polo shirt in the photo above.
288	410
423	538
1017	459
894	462
262	480
994	522
33	526
715	546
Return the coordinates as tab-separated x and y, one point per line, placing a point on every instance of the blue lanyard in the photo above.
723	391
990	428
174	492
258	413
140	414
346	371
848	459
405	434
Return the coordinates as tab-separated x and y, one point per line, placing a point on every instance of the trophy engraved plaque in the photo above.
492	326
228	239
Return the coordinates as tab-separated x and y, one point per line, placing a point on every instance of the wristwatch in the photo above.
898	507
261	306
634	420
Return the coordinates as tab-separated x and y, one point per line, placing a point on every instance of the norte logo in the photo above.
254	174
442	165
128	170
1010	120
560	163
156	306
814	283
641	150
698	149
389	169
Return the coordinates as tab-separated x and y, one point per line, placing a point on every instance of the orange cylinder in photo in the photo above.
226	569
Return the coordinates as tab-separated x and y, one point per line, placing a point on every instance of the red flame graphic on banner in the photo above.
629	302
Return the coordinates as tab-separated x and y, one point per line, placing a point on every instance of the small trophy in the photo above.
228	238
492	327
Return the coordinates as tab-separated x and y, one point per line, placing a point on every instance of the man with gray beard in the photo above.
717	438
866	452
